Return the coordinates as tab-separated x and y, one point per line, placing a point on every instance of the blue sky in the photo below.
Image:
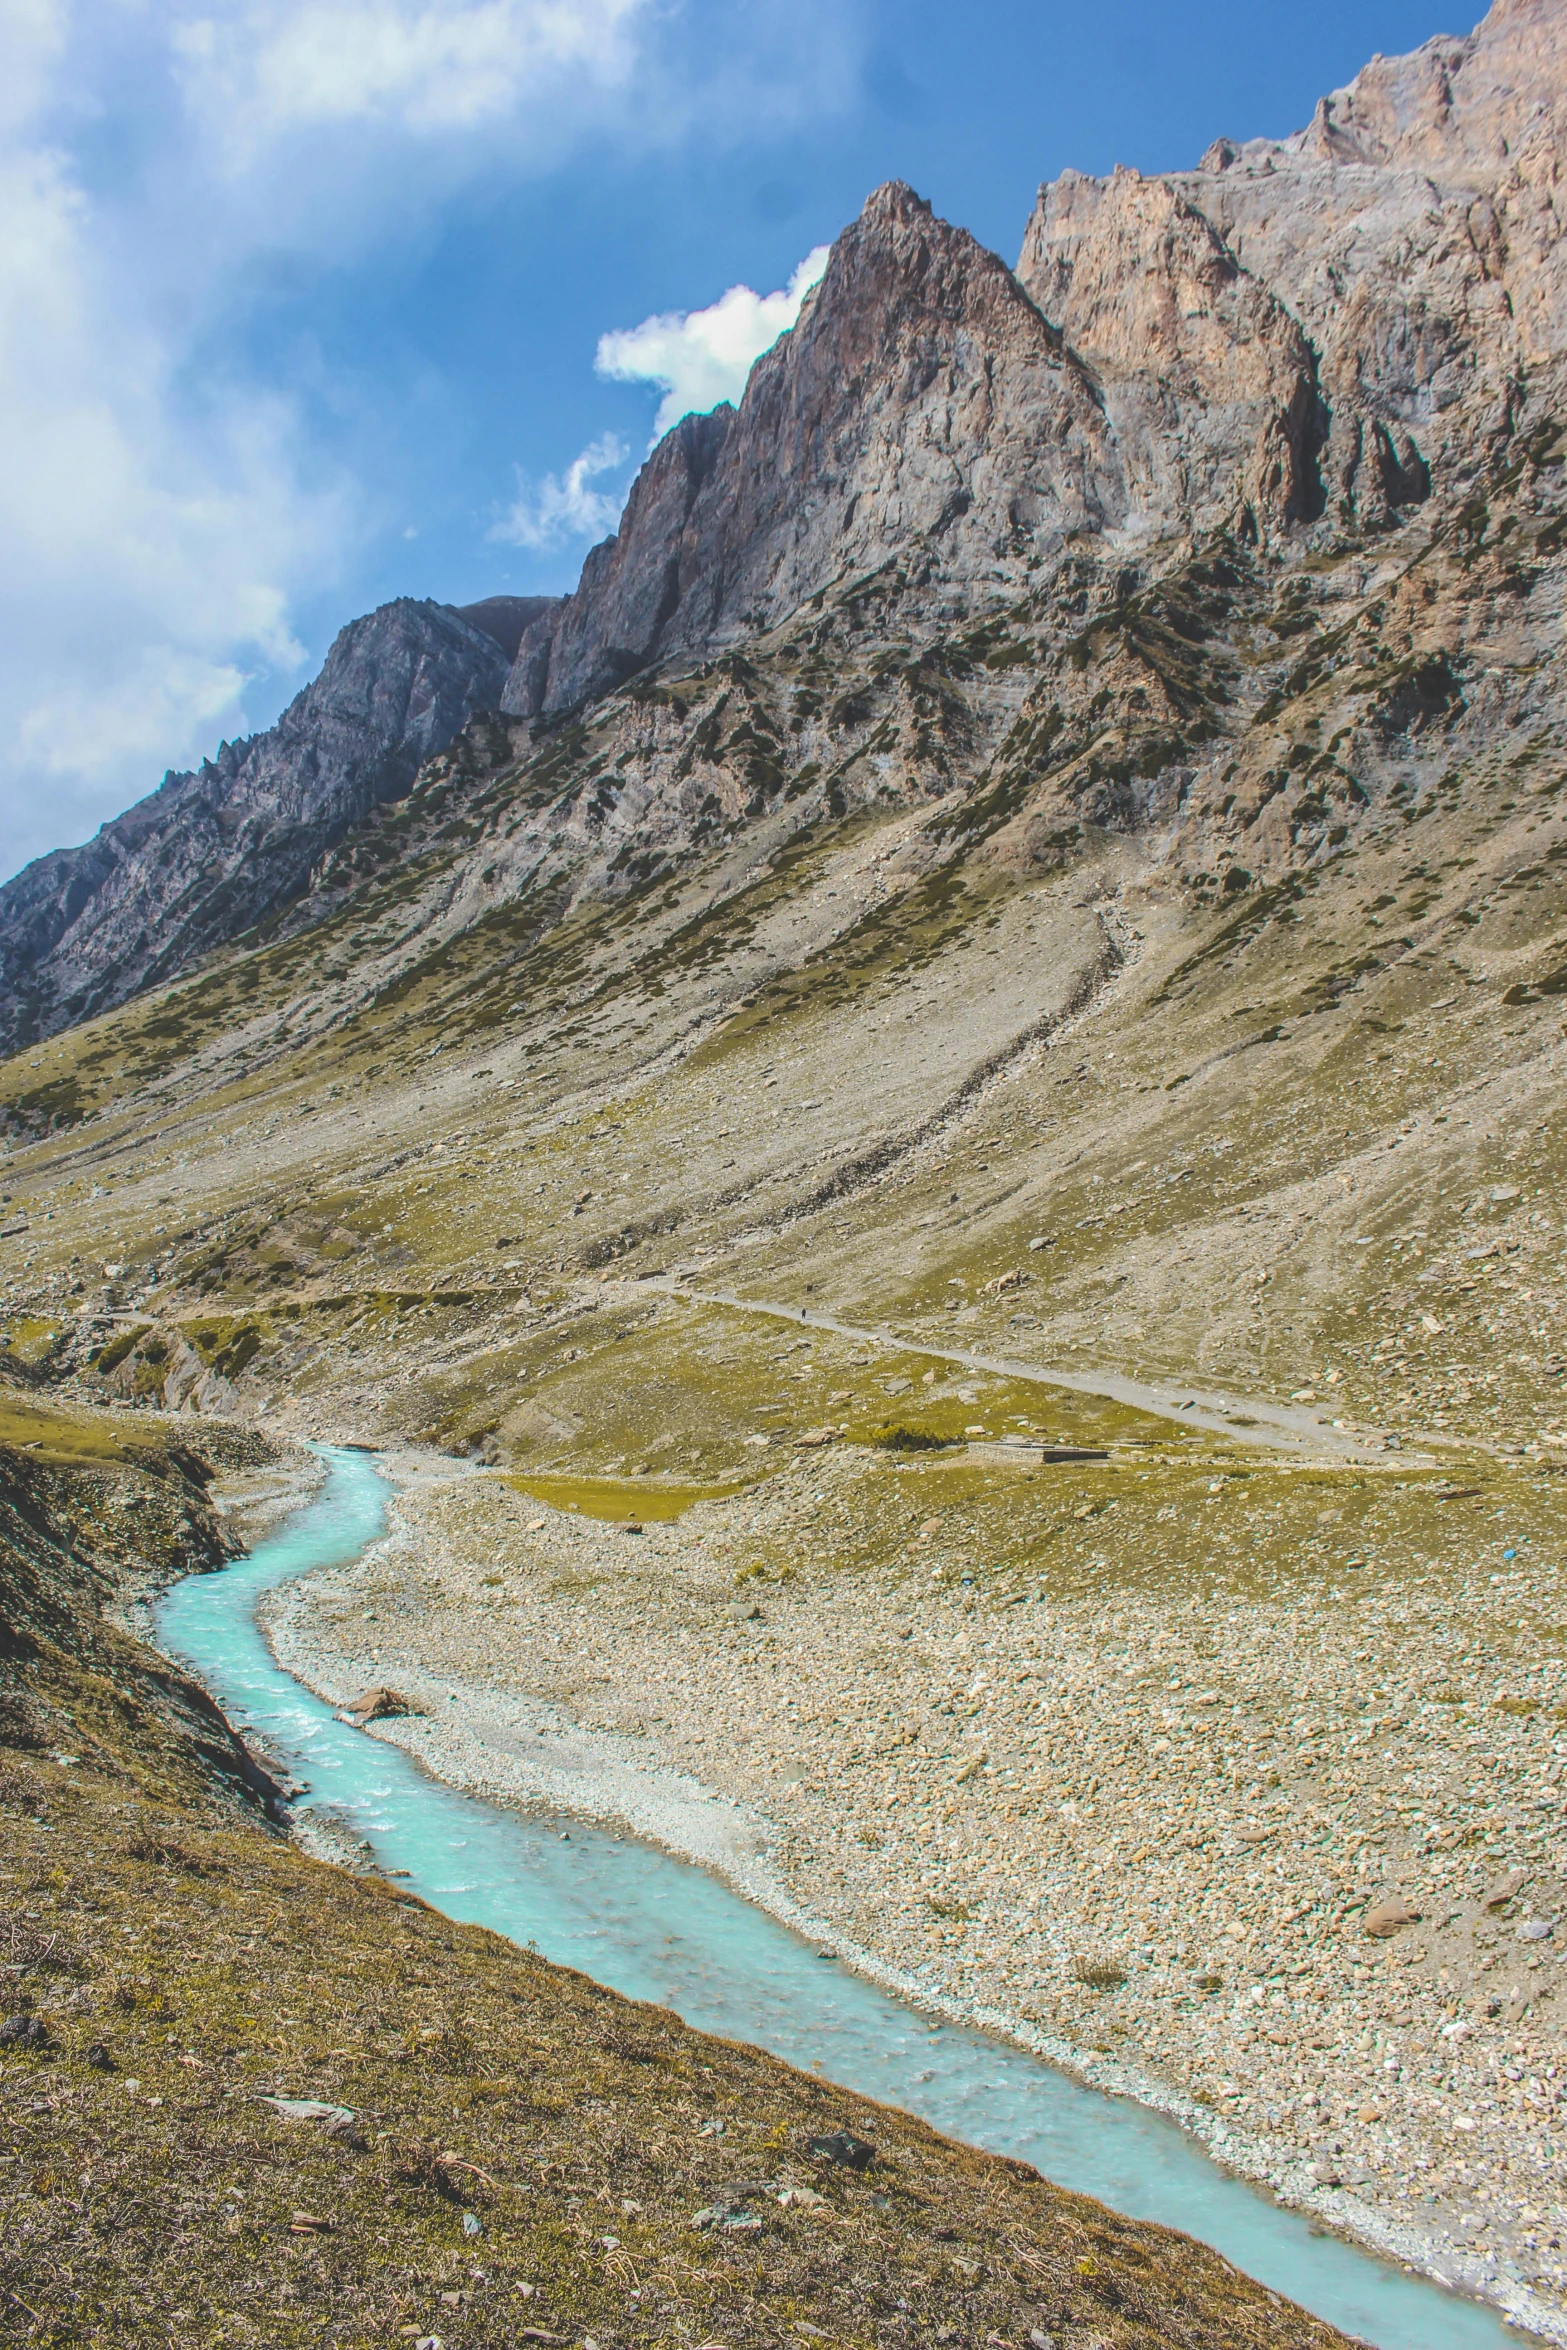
300	299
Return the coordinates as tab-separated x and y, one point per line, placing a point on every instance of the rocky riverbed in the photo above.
1277	1844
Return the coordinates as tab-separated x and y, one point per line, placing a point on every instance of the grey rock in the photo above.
211	853
921	412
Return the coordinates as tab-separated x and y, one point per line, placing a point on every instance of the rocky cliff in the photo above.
931	542
1299	336
922	411
210	854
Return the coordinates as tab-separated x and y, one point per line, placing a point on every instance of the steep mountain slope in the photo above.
210	854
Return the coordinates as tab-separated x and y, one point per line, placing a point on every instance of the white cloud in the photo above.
701	357
564	506
161	517
169	170
150	545
279	65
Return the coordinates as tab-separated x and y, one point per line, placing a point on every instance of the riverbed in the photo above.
654	1927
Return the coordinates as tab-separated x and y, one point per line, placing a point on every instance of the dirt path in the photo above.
1240	1419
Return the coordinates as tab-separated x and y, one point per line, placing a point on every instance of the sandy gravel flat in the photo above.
1143	1840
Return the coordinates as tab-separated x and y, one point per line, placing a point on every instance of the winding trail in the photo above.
1241	1420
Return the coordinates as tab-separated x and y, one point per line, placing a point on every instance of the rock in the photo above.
472	2225
1504	1890
921	401
339	2119
1537	1929
843	2148
211	853
815	1437
385	1705
1135	274
1388	1918
99	2058
24	2031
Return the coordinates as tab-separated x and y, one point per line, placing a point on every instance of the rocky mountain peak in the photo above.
213	851
920	410
1450	102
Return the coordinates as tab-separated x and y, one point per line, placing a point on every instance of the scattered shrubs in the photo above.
897	1436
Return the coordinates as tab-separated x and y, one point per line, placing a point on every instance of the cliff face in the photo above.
211	853
1300	334
1414	227
921	412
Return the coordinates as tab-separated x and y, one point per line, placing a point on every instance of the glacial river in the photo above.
658	1929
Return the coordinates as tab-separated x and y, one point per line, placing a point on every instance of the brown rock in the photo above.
1388	1918
384	1705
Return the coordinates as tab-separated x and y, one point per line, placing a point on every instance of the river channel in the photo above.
656	1928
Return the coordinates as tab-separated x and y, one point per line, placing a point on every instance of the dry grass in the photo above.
211	1967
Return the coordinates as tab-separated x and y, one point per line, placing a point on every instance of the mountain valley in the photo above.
926	1128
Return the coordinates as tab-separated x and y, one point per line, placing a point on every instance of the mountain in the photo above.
935	1142
1288	353
1295	334
210	854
